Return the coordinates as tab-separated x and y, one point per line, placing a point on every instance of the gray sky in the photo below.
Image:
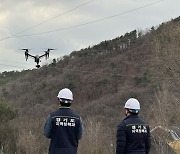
46	19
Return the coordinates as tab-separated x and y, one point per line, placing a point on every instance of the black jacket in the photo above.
64	128
133	136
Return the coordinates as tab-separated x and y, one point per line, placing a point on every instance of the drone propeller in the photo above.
49	49
47	52
24	49
26	53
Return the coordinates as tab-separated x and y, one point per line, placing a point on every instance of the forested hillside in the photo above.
140	64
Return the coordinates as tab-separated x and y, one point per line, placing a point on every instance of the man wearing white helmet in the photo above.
133	134
63	126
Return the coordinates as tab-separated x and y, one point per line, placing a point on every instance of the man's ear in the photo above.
126	112
58	103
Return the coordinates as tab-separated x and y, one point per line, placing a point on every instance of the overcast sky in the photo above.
69	25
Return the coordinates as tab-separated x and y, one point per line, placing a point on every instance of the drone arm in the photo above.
42	55
46	55
31	55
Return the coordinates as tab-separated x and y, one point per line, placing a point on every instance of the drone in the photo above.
37	57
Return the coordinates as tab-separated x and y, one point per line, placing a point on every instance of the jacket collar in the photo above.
64	107
131	116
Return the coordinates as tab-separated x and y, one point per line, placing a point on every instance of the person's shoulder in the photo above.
74	113
143	121
122	123
54	113
71	113
127	120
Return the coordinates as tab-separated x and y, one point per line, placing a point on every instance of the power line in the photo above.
13	62
55	17
13	66
91	22
75	8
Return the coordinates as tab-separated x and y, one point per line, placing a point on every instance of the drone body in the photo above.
37	57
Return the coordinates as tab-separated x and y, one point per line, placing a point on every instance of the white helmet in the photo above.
65	94
133	104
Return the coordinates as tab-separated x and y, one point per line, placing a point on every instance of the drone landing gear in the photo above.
38	66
